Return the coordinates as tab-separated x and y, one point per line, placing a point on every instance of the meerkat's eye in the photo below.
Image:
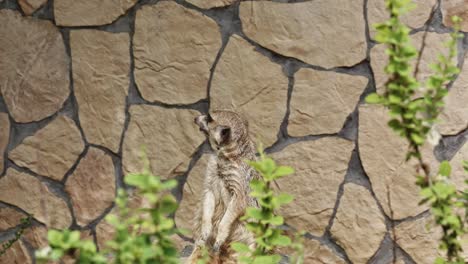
225	133
209	118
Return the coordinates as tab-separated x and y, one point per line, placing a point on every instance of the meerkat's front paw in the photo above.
206	231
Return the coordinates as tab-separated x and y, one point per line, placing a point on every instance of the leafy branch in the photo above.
24	224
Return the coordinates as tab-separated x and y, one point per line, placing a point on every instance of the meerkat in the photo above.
226	187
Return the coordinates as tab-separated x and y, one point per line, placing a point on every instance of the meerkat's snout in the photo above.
202	122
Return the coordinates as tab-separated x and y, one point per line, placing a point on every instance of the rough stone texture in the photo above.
193	189
314	252
459	176
249	83
33	196
104	233
334	97
52	150
172	63
17	254
89	12
30	6
455	8
33	66
101	66
170	138
4	138
92	186
36	236
9	218
328	33
359	227
206	4
454	117
382	154
419	238
434	47
415	18
320	169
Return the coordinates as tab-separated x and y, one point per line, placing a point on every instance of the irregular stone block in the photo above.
206	4
9	218
30	6
4	138
17	254
455	8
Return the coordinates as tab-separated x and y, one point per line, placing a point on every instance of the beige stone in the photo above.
206	4
33	196
16	254
321	101
419	238
192	194
101	66
415	18
30	6
4	138
169	137
36	236
249	83
434	46
454	117
459	175
173	62
328	33
33	65
359	227
317	253
92	186
89	12
104	233
320	169
383	155
455	8
52	150
9	218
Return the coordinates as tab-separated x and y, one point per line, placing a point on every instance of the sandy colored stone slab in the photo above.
17	254
89	12
454	117
383	155
52	150
36	236
321	101
101	67
459	176
415	18
250	84
92	186
34	67
455	8
320	169
30	6
172	64
192	194
34	197
328	33
4	138
169	136
434	47
359	227
9	218
206	4
420	239
315	252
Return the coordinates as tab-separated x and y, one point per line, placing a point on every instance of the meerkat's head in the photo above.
223	128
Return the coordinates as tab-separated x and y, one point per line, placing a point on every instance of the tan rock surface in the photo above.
434	47
192	194
36	236
101	66
30	6
321	101
172	64
52	150
455	8
4	138
419	238
34	197
92	186
359	227
17	254
169	136
459	176
320	169
33	65
9	218
328	33
315	252
89	12
415	18
249	83
206	4
383	155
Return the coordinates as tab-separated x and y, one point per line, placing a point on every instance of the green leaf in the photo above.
137	180
373	98
240	247
273	259
445	169
281	241
282	171
54	237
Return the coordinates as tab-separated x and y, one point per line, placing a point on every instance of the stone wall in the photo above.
85	83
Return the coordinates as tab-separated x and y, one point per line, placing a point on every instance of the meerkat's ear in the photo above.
209	118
